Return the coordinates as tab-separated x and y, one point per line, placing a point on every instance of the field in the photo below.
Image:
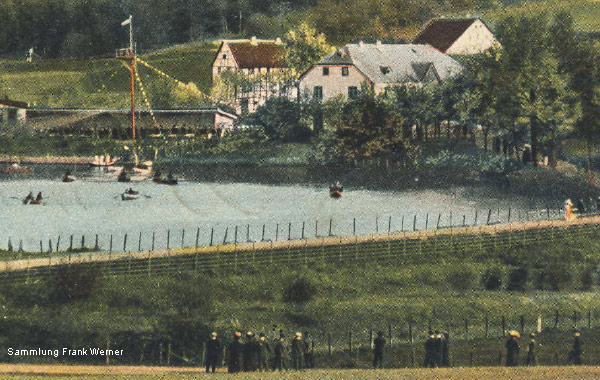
541	373
101	82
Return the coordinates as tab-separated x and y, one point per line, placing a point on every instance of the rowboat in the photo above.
130	197
335	191
103	161
16	168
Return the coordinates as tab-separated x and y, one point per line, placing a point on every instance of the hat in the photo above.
213	334
514	334
532	335
237	334
299	334
261	334
577	333
249	333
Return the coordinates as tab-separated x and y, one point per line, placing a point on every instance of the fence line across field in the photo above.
401	248
236	234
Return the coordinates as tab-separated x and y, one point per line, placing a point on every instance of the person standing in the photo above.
309	346
212	352
280	351
378	346
575	354
438	348
512	349
264	353
297	351
248	353
446	350
429	361
531	359
234	352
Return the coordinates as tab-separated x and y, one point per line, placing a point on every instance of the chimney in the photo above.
254	41
361	44
278	41
378	44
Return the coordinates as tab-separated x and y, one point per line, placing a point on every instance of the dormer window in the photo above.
224	56
385	69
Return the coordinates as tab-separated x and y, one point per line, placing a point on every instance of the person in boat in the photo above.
123	176
39	198
131	191
157	175
28	198
170	177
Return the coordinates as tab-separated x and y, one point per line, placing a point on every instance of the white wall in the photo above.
476	39
333	84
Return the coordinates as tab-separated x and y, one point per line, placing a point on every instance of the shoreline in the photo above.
50	160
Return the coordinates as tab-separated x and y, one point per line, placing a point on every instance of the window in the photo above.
318	92
224	56
352	92
325	71
344	71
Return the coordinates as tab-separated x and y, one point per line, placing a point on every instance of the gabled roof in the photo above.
250	55
443	33
395	63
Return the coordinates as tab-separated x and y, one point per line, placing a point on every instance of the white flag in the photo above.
126	22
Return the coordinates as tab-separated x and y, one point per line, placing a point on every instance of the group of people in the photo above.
259	354
30	199
437	347
513	350
580	207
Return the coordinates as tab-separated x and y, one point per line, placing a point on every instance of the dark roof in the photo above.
13	103
261	54
442	33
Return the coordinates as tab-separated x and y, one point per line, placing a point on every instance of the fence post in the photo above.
71	244
389	224
41	247
262	238
487	326
168	239
329	343
390	337
182	237
402	229
589	319
57	243
225	236
277	232
476	214
371	337
303	225
140	242
522	323
153	238
125	243
411	338
437	226
353	227
350	342
109	247
82	241
96	246
415	223
489	216
212	234
235	233
556	319
466	329
426	221
290	231
503	325
376	224
330	227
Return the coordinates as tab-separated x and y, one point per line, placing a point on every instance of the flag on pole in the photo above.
126	22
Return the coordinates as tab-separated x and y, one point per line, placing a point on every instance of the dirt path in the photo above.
141	372
62	259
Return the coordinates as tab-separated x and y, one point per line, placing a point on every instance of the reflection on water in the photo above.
92	205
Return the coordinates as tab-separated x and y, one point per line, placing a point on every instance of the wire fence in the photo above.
404	248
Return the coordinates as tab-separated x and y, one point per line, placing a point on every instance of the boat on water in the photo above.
16	168
130	195
68	177
335	191
123	176
169	180
105	160
30	200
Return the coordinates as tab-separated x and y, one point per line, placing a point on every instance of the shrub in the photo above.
74	282
492	279
517	279
299	291
555	278
462	279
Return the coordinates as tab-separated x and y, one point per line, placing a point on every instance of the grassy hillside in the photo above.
101	82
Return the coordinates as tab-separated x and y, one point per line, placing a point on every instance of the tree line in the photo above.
68	28
541	86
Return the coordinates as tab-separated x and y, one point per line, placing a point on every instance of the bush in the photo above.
299	291
517	279
555	279
73	283
492	279
462	279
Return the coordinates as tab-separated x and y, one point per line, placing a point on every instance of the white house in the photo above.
261	63
378	65
457	36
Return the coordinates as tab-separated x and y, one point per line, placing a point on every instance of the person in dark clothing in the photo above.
309	346
297	351
531	359
280	351
446	350
264	353
249	353
512	350
212	352
438	348
580	206
575	354
39	198
378	346
430	351
234	352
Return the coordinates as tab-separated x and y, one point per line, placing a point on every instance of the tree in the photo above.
303	47
282	119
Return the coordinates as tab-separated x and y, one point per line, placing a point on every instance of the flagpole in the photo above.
132	90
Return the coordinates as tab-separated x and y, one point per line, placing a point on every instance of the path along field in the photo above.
64	259
47	372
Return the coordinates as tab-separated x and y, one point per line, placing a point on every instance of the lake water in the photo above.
91	205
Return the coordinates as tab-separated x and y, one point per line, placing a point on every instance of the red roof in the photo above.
442	33
261	54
